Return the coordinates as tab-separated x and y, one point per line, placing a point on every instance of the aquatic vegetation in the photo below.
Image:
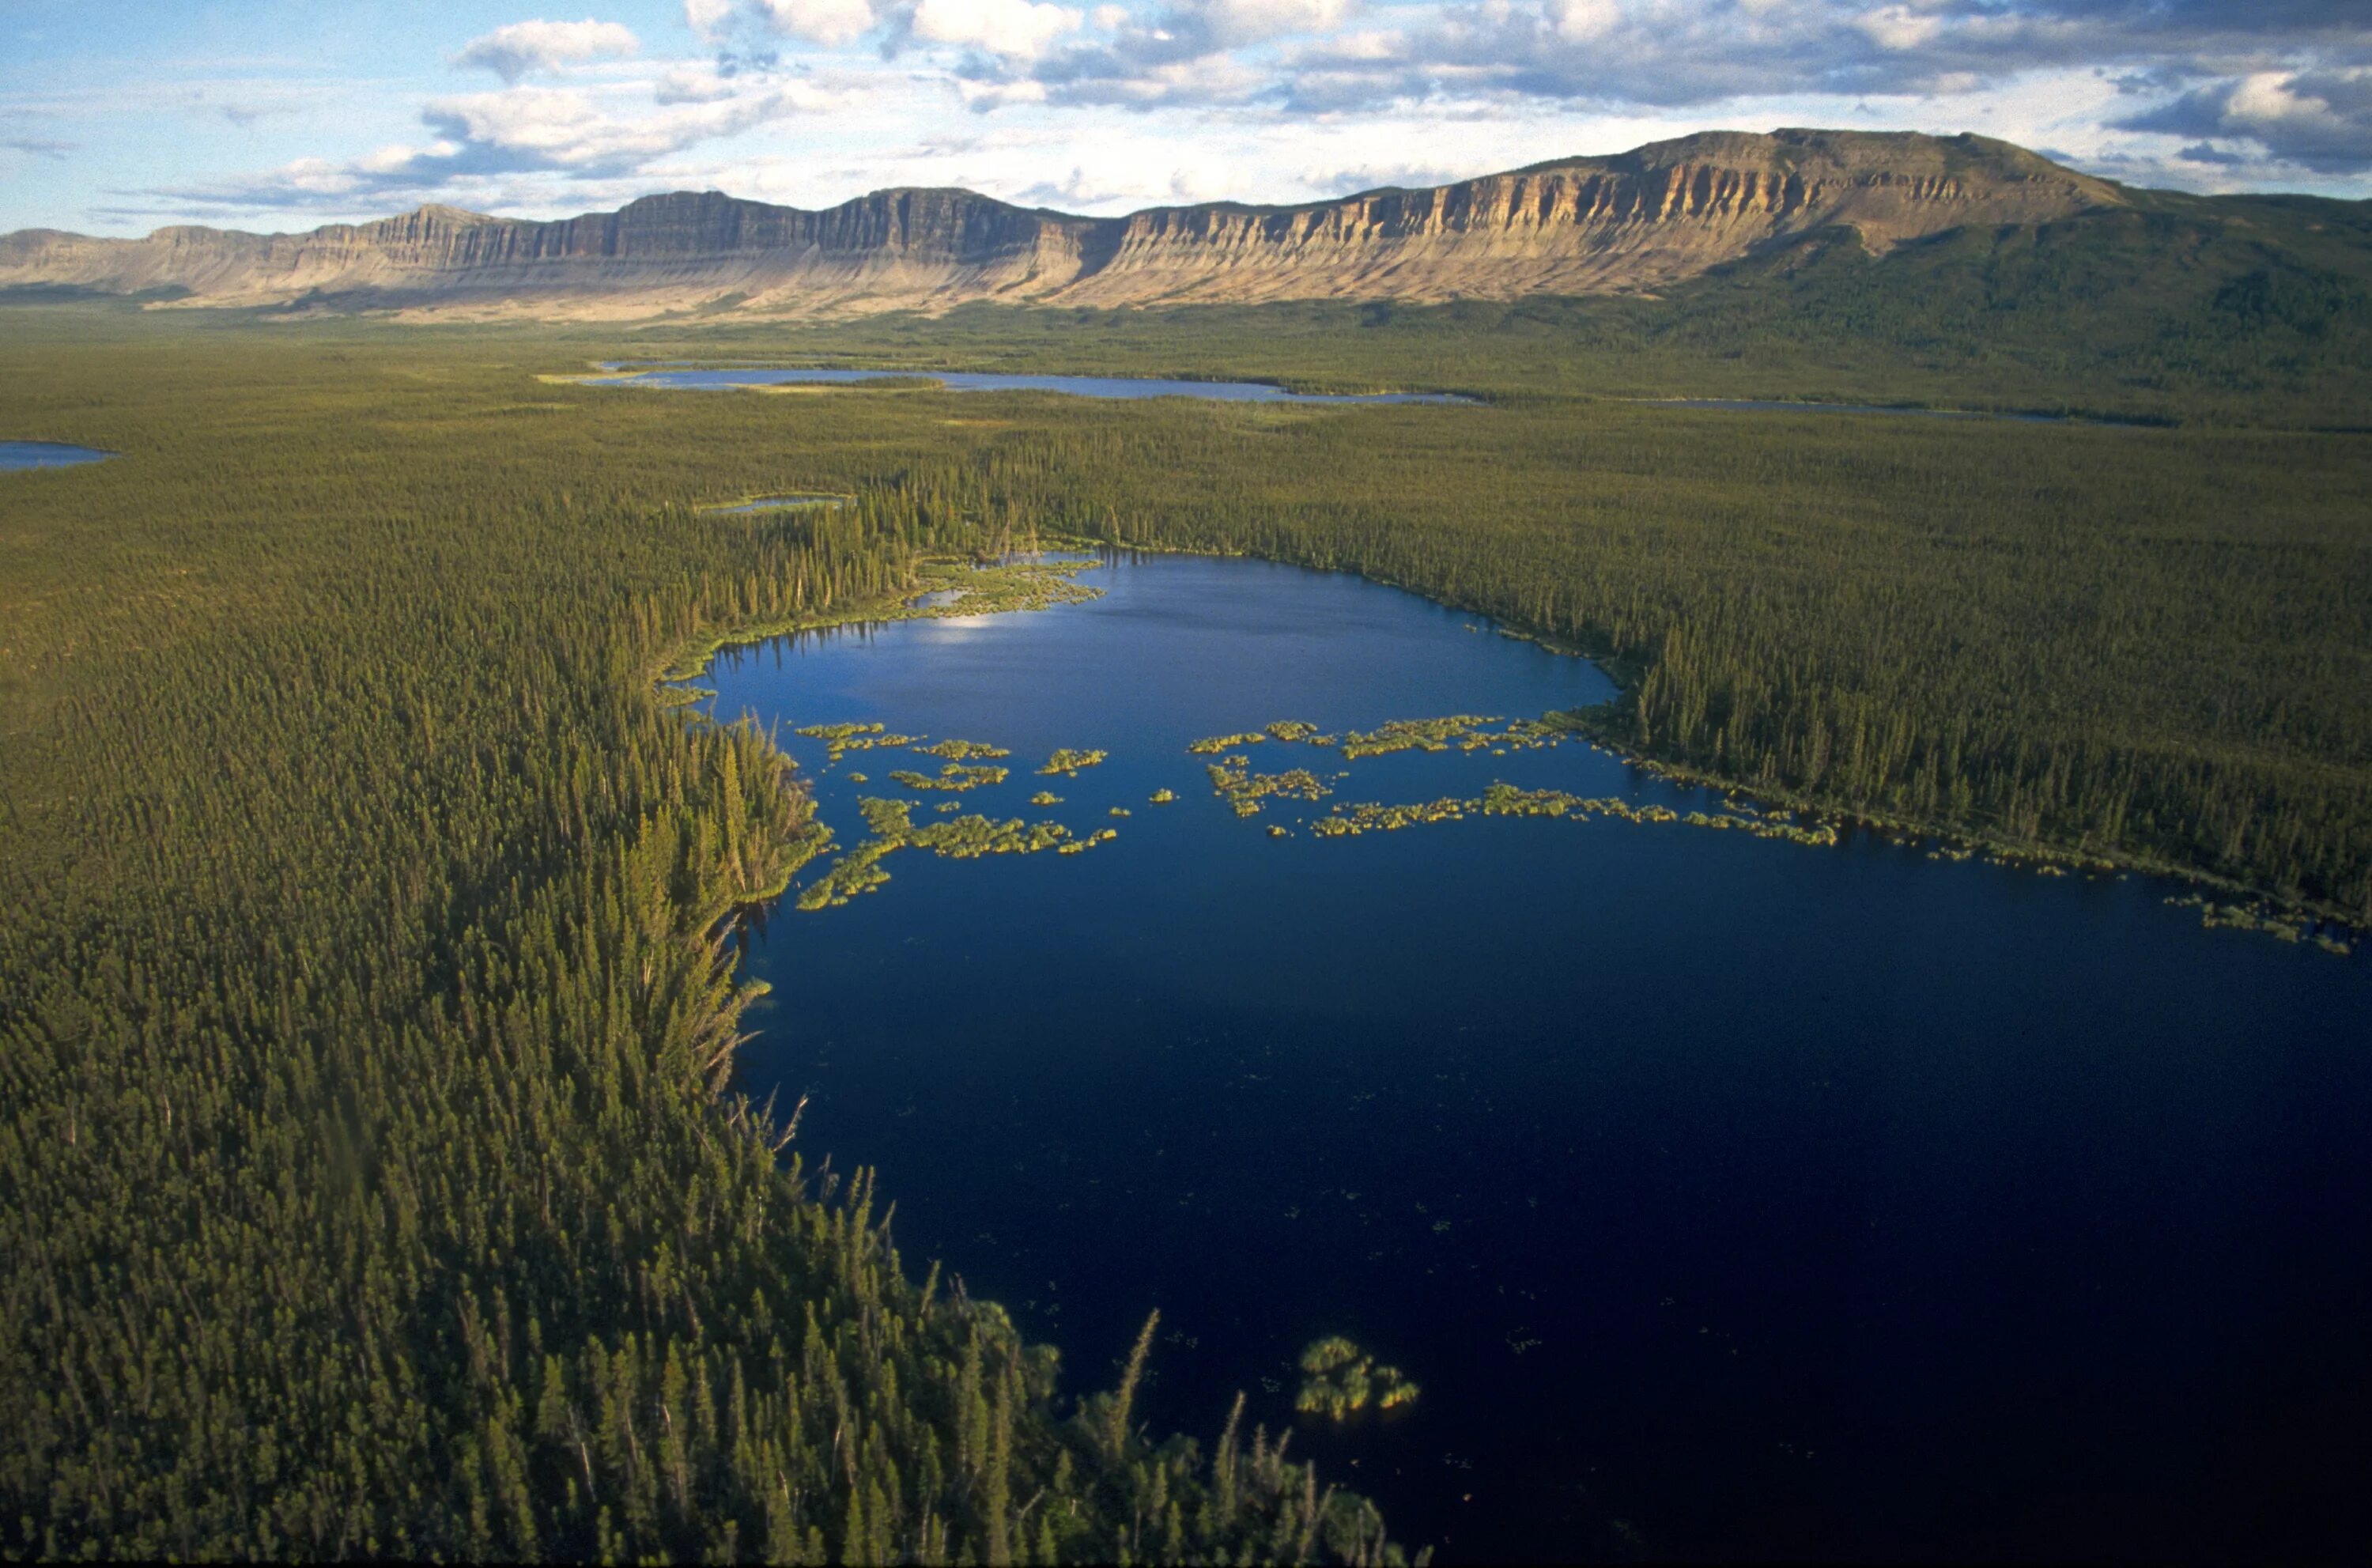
842	738
1295	729
1163	796
963	751
952	589
855	777
1233	781
1045	797
1373	818
2264	918
1122	811
890	827
1339	1380
957	776
1410	734
1464	732
1211	745
1067	763
1505	800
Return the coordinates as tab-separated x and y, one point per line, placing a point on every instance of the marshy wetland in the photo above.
1786	1188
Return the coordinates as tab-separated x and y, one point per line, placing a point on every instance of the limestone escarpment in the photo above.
1640	220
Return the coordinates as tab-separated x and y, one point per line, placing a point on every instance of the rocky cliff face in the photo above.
1642	220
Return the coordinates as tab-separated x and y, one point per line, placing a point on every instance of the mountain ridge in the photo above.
1629	222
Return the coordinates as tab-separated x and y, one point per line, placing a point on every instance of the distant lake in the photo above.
47	455
1725	1197
972	381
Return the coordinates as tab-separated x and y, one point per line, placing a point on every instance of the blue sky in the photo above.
116	117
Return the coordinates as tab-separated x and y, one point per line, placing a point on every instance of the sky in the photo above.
119	116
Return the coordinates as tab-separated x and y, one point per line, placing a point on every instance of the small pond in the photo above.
1725	1196
47	455
777	504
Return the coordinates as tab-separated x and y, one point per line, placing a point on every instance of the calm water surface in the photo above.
46	455
1726	1197
974	381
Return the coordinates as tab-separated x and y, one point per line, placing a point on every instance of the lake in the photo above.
1725	1197
972	381
47	455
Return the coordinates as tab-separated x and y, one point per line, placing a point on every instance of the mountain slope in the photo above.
1638	220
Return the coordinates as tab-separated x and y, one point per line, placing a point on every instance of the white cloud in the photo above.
1251	21
563	129
833	23
1898	28
1578	22
512	52
707	17
1015	28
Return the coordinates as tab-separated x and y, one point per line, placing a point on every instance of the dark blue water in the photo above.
1728	1198
974	381
46	455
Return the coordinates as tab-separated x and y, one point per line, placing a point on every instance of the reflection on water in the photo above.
1725	1197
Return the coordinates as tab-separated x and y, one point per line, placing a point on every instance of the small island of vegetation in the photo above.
1339	1380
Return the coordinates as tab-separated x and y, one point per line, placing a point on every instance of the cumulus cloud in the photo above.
1312	56
515	51
518	131
833	23
1013	28
2318	120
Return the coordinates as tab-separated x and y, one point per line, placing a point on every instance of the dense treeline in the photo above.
363	1018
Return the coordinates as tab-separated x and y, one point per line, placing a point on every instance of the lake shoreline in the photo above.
2290	920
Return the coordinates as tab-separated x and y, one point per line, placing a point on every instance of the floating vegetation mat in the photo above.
2260	917
956	776
1067	763
963	751
1457	732
839	739
1339	1380
1233	781
892	828
1506	800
